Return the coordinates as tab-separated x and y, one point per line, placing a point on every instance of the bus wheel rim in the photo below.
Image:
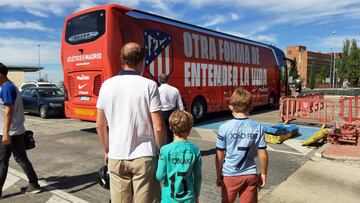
198	111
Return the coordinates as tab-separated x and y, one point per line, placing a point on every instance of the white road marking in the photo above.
10	180
45	185
57	199
295	144
283	151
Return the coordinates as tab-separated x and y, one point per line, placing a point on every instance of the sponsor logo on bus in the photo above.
83	77
85	57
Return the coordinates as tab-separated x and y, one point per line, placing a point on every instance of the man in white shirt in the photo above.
171	100
130	105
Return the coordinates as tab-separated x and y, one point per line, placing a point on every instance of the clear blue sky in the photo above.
25	23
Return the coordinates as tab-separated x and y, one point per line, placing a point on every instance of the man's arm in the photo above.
263	157
180	104
159	128
161	169
101	128
8	117
219	161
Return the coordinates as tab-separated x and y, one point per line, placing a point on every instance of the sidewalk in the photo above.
319	181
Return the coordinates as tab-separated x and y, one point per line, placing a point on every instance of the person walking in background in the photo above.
171	100
180	163
238	143
130	105
12	132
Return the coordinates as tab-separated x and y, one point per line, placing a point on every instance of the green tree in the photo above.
343	61
354	61
322	74
349	63
293	71
312	77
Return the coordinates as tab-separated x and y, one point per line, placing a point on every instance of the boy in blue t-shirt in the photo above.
179	163
238	143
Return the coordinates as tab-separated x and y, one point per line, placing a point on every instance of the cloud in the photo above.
214	20
268	39
20	51
234	16
335	40
85	4
46	8
17	25
219	19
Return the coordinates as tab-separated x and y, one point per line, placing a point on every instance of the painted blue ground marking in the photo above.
305	132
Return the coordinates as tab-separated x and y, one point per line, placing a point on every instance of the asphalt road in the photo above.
68	156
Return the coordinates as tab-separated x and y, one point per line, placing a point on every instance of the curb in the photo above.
320	151
319	154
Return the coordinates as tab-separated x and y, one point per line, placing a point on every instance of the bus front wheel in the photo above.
198	109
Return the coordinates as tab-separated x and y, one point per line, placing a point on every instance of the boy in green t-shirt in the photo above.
180	163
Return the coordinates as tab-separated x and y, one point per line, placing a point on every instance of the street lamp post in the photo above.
331	65
38	46
334	70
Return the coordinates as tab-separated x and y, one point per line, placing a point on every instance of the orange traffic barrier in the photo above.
349	109
307	108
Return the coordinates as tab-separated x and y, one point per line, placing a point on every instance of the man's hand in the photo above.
219	180
261	180
6	139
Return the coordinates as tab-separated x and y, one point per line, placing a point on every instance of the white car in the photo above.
36	84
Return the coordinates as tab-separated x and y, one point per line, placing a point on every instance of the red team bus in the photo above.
205	65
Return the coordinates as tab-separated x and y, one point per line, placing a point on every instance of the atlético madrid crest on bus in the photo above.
159	58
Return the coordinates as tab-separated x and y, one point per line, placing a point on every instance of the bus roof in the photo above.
144	15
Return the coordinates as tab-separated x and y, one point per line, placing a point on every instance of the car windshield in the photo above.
44	93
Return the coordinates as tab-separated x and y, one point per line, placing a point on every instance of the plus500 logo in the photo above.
83	77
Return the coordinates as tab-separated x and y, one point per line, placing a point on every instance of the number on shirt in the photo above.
183	182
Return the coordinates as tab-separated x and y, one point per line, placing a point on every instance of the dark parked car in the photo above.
44	101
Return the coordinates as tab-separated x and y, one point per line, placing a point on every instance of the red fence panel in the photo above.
308	108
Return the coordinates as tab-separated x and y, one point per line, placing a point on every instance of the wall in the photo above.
17	77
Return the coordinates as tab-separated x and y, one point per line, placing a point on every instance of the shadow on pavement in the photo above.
11	195
69	182
89	130
226	115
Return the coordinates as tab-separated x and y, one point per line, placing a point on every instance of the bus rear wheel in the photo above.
198	109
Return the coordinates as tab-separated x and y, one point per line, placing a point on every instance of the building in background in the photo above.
305	59
17	73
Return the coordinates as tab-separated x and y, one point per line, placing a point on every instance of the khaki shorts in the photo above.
134	180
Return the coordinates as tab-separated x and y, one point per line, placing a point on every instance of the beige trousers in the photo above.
134	180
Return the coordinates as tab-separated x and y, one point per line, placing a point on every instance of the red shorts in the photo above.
244	186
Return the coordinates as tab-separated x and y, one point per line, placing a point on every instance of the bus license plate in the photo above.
84	98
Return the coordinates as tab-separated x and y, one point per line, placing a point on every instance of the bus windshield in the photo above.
85	28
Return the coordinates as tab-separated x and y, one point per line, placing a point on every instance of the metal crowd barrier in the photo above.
307	107
349	109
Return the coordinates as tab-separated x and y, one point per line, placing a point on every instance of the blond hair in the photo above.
241	100
181	122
